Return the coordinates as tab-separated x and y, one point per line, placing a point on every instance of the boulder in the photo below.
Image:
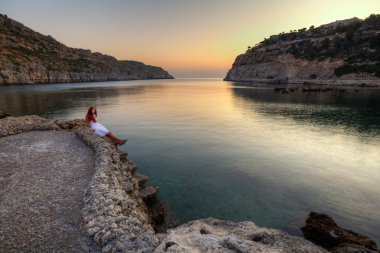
212	235
351	248
70	124
141	179
149	193
16	125
322	230
3	115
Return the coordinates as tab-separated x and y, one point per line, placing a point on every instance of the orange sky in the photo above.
187	38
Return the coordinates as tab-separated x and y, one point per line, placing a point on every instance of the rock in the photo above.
70	124
113	212
141	179
15	125
156	213
278	89
3	115
351	248
212	235
123	156
149	193
322	230
131	166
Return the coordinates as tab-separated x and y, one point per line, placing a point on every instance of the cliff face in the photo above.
333	53
30	57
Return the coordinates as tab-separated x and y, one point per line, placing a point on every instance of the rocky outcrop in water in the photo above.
30	57
343	52
322	230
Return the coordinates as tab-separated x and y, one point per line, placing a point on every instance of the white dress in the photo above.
99	128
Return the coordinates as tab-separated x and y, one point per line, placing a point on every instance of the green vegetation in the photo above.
362	68
357	43
356	26
25	50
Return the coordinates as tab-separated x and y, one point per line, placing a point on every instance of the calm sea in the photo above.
239	153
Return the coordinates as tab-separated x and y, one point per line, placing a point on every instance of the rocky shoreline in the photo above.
116	208
315	55
369	83
28	57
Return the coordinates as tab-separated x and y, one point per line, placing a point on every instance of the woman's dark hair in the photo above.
89	114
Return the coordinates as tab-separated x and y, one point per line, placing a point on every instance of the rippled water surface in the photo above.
239	153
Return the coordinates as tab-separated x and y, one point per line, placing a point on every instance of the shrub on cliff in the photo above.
373	20
354	69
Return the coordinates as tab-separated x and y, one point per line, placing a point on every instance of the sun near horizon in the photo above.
187	38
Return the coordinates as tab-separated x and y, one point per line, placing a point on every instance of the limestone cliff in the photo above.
27	56
342	52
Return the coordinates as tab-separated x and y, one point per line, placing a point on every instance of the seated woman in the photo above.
100	130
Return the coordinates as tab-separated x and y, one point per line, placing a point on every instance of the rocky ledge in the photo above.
117	218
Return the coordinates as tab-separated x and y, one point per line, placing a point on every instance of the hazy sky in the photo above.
193	38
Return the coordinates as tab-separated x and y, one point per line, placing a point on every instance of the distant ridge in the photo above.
342	52
29	57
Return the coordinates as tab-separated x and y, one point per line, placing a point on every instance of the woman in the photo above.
91	121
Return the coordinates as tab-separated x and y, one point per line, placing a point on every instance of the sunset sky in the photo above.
194	38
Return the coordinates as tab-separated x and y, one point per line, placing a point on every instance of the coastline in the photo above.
68	81
117	219
367	83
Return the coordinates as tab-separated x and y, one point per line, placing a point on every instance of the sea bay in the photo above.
224	150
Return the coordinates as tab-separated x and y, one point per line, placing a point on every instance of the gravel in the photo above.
43	175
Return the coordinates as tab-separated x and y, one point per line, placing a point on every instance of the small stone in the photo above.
119	246
92	231
107	248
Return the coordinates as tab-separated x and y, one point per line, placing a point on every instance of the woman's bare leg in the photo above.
115	139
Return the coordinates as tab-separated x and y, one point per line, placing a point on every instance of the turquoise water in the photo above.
238	153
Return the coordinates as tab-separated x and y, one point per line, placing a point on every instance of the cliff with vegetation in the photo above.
30	57
342	52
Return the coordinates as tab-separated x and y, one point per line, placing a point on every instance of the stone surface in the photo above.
113	212
15	125
4	115
322	230
149	192
43	175
141	179
70	124
212	235
351	248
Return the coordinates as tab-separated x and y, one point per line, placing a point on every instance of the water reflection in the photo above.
49	102
355	111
